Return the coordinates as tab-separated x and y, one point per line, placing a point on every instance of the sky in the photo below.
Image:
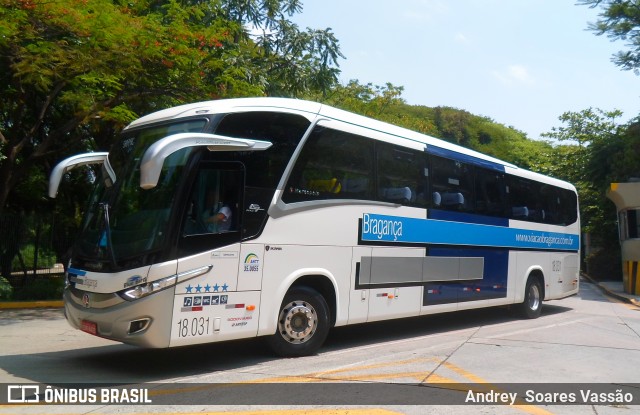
522	63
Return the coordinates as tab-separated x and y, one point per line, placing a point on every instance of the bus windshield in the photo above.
124	222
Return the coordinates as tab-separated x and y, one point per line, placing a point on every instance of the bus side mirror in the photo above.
74	161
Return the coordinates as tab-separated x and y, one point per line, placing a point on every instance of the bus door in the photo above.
206	305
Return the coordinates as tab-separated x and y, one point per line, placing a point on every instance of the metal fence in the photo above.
32	245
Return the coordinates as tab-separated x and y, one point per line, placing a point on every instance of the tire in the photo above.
303	323
531	307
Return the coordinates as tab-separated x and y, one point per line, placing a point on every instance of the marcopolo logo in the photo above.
381	228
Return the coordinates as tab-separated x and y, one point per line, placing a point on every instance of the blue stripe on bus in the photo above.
450	215
450	154
396	229
492	285
78	272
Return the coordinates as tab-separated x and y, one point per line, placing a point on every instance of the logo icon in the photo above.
85	300
23	394
254	207
251	263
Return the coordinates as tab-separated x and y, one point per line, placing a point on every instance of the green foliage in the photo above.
46	258
47	288
74	72
619	20
6	291
600	152
385	103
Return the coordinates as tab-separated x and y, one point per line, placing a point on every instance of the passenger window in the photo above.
526	200
332	165
452	184
568	209
490	192
402	175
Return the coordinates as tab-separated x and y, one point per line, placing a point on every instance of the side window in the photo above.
490	192
213	204
524	199
539	202
332	165
568	211
629	224
284	131
402	175
452	184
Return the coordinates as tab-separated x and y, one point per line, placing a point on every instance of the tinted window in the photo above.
568	209
538	202
490	192
524	200
284	131
213	203
333	164
401	175
452	184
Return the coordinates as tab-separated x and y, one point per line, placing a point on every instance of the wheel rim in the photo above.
298	322
534	297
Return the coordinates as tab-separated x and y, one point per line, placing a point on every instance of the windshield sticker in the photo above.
251	263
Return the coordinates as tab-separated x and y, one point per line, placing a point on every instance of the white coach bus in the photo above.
283	218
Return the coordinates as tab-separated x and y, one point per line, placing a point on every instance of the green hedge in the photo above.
6	291
47	288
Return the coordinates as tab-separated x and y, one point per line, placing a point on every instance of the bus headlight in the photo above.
144	290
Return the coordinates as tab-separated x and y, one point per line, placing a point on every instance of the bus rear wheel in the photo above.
531	307
303	323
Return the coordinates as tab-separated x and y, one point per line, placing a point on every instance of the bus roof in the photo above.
227	105
314	109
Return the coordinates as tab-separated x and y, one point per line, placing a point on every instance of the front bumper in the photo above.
145	322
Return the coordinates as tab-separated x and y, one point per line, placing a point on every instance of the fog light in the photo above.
137	326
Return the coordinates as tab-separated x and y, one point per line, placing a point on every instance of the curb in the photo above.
610	293
15	305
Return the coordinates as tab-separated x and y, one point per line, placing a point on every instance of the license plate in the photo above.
89	327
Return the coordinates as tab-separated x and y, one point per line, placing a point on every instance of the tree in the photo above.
586	126
74	72
582	129
620	20
296	61
66	65
591	161
370	100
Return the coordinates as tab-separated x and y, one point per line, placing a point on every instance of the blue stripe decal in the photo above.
396	229
78	272
454	216
450	154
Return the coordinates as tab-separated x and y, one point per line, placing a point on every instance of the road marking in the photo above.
360	411
480	384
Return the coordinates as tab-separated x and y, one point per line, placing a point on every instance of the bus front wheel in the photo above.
531	307
303	323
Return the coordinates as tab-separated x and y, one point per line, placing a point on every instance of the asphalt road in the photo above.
579	342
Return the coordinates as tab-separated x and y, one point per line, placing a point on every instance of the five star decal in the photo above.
207	288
